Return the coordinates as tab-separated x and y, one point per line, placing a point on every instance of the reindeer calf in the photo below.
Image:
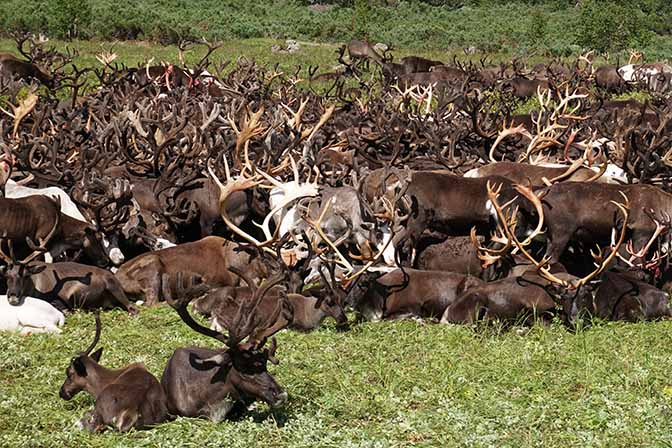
126	398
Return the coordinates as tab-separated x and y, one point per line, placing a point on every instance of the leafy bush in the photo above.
608	26
545	26
69	18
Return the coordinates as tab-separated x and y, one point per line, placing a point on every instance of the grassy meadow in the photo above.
376	385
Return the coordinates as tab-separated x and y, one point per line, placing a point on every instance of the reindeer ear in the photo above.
97	354
79	367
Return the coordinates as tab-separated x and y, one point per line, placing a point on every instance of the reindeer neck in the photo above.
100	377
305	311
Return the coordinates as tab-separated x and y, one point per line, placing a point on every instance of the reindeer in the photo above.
208	383
609	78
11	66
31	315
621	296
363	52
307	312
209	258
407	293
524	88
35	217
582	212
69	285
416	64
438	201
75	234
126	398
537	175
541	290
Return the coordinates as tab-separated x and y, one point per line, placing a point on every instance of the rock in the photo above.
292	46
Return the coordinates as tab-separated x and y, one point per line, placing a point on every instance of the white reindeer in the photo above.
32	316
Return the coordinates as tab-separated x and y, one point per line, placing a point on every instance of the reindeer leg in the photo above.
151	287
91	421
115	291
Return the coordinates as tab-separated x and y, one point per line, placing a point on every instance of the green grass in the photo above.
379	384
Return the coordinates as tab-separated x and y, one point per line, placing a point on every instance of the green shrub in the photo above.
522	26
69	18
609	26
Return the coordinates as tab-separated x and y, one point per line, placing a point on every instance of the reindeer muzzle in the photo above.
116	256
64	395
13	300
282	399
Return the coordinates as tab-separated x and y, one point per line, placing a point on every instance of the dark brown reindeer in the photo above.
11	66
208	383
126	398
33	217
578	211
509	299
416	64
621	296
521	87
439	201
304	312
36	216
67	285
539	292
407	293
608	78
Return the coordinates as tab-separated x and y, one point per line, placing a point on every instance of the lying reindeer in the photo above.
126	398
620	296
208	258
307	312
68	285
538	292
407	293
30	316
202	382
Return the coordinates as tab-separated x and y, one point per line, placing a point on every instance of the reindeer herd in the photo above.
264	199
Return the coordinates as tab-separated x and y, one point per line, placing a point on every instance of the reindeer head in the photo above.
106	203
332	301
17	272
77	373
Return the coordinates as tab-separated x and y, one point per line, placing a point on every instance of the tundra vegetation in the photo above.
405	248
